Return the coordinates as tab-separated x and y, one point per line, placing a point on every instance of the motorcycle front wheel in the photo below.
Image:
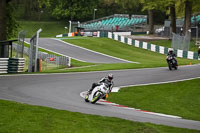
96	98
170	66
176	67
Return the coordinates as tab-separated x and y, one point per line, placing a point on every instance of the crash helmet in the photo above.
199	47
110	76
171	50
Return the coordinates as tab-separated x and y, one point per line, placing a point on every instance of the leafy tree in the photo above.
123	6
3	20
186	8
188	14
8	24
72	9
189	4
150	6
172	15
170	4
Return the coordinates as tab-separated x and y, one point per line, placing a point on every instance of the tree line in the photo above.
82	10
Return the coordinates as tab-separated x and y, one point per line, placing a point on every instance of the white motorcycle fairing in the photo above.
97	93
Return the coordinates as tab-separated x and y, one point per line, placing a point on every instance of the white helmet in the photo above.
171	49
199	46
110	76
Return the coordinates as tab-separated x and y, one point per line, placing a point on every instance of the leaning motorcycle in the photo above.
172	62
97	93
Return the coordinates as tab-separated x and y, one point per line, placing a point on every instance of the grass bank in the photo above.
180	98
23	118
49	29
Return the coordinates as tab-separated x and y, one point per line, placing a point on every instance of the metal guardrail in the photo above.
121	15
16	65
4	65
12	65
97	20
139	16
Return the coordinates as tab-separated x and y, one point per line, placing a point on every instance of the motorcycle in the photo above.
97	93
172	62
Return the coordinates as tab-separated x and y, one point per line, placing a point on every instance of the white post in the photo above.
57	61
69	62
78	24
36	54
196	33
94	14
98	33
70	26
66	29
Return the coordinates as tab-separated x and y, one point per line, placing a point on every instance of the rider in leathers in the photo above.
107	80
171	53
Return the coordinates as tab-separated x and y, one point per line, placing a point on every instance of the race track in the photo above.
62	91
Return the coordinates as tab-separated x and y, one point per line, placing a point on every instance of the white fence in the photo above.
58	60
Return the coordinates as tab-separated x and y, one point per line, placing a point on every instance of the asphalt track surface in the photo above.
62	91
76	52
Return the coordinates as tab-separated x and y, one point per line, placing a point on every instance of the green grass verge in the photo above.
180	98
168	43
49	29
23	118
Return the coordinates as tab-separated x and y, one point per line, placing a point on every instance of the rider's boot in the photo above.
104	98
90	90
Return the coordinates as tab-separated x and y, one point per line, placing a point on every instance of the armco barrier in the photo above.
3	65
16	65
12	65
153	47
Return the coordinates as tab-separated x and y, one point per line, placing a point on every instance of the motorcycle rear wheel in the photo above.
86	99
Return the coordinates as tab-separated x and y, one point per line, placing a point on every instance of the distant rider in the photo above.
172	54
107	80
